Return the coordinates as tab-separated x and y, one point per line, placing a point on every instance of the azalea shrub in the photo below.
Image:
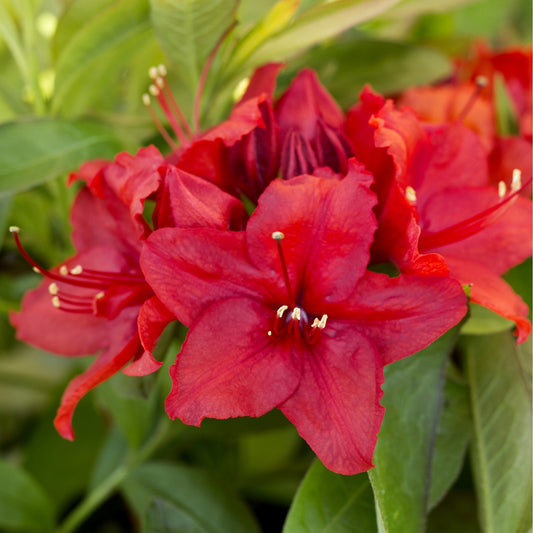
266	266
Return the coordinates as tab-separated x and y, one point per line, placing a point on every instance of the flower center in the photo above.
88	291
293	320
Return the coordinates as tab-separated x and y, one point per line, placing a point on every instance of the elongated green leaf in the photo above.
122	21
332	503
23	504
188	31
318	24
453	435
173	498
482	321
501	447
33	152
403	457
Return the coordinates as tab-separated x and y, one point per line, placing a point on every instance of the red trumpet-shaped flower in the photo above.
286	315
98	300
435	197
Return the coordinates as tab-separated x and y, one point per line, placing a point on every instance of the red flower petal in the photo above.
106	364
187	201
328	227
402	315
189	269
230	367
336	407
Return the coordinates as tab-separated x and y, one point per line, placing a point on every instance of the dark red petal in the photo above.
404	314
328	227
490	291
501	243
187	201
263	81
229	366
189	269
106	364
336	407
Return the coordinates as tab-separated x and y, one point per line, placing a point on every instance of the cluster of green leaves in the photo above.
454	450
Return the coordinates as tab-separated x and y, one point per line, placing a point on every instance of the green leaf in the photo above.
347	64
331	503
413	395
63	468
317	24
482	321
501	449
189	30
453	435
119	23
23	504
173	498
33	152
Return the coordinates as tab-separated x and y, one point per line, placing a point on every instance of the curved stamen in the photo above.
474	224
278	237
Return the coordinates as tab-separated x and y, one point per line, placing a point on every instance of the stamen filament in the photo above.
164	133
278	237
470	226
481	83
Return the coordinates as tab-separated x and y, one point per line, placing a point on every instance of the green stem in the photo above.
108	486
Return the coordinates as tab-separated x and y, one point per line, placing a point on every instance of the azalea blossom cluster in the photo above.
286	301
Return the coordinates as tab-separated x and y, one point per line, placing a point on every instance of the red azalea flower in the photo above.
311	125
94	300
298	324
433	182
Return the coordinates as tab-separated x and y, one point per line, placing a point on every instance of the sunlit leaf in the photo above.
33	152
120	22
501	449
23	504
183	498
317	24
413	399
332	503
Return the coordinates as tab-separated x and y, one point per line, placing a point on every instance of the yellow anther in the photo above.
63	270
516	182
410	194
321	324
53	289
278	236
296	313
78	269
502	189
14	229
55	302
281	310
